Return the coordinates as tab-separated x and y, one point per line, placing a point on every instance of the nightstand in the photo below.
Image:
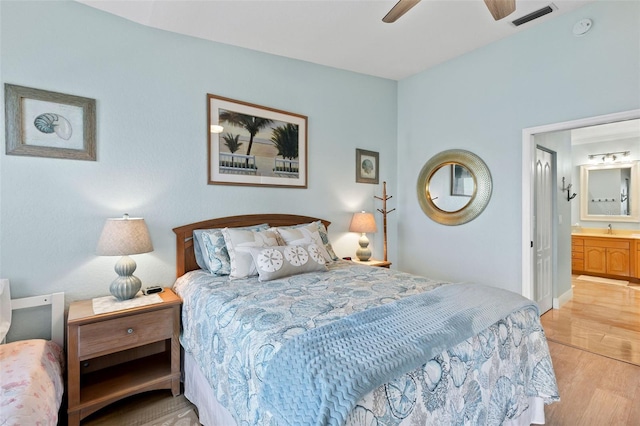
373	262
114	355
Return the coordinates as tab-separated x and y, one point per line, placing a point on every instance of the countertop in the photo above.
628	234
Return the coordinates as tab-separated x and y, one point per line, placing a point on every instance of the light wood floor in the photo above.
600	318
594	341
594	390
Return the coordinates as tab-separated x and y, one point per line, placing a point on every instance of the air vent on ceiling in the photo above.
534	15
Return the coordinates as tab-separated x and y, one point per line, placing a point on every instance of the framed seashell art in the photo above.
40	123
254	145
367	166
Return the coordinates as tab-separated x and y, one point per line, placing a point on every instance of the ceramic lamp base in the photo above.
363	253
127	285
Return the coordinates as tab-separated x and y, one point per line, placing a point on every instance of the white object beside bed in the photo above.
31	370
56	300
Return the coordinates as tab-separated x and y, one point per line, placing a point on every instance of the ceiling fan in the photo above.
498	8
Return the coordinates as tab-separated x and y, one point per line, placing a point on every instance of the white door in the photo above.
544	194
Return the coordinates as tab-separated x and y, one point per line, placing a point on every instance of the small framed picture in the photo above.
367	166
40	123
462	183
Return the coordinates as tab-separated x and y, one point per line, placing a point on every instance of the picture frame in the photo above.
40	123
462	182
367	166
254	145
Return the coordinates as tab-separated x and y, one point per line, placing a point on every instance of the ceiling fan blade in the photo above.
500	8
399	9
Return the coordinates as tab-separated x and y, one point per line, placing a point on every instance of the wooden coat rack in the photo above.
384	212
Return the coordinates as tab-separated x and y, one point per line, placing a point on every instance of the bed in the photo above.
344	343
32	369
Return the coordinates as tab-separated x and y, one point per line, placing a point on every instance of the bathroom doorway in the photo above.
562	291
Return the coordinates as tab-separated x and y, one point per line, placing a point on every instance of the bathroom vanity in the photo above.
615	255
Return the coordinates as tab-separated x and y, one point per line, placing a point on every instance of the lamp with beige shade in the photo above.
363	223
123	237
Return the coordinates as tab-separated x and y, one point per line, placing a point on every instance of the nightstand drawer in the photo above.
126	332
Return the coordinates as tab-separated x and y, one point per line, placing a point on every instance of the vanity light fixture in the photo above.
609	157
363	223
216	128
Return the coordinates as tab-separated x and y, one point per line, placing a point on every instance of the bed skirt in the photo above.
212	413
199	392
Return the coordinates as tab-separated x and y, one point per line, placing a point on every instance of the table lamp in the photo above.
363	223
123	237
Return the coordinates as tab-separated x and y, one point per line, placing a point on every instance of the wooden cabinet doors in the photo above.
607	257
617	257
618	262
595	259
637	259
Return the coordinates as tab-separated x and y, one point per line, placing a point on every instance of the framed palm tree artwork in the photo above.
254	145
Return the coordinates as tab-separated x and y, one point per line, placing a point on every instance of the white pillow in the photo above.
238	242
304	235
282	261
211	250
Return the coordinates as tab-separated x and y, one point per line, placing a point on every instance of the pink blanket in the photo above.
31	383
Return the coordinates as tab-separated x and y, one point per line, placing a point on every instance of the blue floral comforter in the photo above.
233	329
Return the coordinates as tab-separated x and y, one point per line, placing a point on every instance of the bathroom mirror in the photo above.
609	192
454	187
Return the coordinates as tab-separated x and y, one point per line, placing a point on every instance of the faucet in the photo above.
609	230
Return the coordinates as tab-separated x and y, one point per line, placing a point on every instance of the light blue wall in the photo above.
481	102
150	87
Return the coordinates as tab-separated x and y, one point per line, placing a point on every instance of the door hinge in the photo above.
531	244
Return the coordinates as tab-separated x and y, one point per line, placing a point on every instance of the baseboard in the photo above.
564	298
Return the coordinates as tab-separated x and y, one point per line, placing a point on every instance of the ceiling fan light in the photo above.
500	8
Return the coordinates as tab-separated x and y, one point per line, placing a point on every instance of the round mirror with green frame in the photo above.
454	187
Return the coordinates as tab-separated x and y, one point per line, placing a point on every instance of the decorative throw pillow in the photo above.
324	235
304	235
283	261
238	244
211	250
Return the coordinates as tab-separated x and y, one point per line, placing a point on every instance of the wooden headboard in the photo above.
185	255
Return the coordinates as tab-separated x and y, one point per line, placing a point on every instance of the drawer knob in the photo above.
129	330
